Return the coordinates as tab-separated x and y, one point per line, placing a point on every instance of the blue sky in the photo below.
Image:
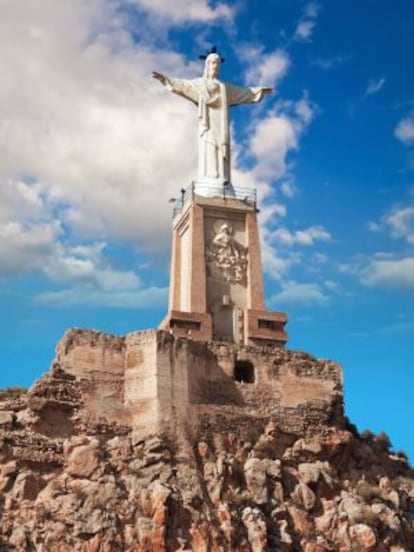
92	149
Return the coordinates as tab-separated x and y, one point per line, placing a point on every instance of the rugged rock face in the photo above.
233	473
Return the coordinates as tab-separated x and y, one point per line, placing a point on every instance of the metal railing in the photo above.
248	195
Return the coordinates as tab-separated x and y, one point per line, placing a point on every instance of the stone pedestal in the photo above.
216	289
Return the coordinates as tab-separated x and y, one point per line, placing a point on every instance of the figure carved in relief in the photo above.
213	98
226	258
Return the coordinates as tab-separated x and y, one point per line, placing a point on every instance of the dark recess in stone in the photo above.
244	371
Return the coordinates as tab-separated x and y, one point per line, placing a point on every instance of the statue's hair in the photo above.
210	56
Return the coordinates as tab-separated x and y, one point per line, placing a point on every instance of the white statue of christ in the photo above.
213	98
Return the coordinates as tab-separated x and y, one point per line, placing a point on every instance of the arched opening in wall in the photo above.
244	371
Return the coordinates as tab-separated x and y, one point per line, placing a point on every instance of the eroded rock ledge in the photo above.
149	443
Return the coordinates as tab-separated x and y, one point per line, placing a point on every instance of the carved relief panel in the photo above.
226	257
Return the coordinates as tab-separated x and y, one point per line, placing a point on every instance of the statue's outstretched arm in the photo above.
182	87
161	77
239	94
267	91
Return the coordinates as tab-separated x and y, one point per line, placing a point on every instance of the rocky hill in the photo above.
236	461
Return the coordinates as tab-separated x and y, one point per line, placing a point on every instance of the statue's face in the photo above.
213	66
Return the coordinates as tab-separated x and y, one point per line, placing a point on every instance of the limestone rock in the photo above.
304	496
83	458
310	472
255	524
146	443
27	486
6	419
363	536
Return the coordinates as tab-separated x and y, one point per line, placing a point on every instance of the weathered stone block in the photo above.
6	419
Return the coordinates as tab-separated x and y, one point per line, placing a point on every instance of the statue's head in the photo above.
225	229
212	65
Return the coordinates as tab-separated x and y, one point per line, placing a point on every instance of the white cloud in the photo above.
273	264
404	131
91	125
182	11
288	189
306	25
327	63
269	212
373	226
20	200
397	273
330	284
87	266
273	138
294	293
312	10
305	111
304	30
265	69
26	247
91	280
375	86
301	237
151	297
401	222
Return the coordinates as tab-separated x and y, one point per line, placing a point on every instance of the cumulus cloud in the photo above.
274	264
276	135
21	200
398	221
264	69
401	223
26	247
91	125
404	131
288	189
87	266
301	237
182	11
152	297
303	294
391	273
90	279
273	138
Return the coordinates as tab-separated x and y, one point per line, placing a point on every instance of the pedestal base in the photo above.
265	328
194	325
260	328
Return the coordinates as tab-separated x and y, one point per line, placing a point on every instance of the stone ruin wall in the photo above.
151	381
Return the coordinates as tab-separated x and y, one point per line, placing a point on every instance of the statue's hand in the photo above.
159	76
268	91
